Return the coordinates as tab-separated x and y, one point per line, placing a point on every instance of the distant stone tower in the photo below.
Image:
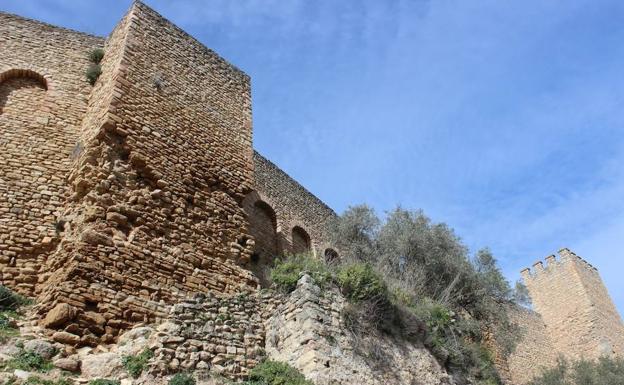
580	317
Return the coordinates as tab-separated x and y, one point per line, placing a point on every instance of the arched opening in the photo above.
331	256
300	240
263	228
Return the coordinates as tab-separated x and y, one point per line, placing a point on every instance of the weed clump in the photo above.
93	73
182	379
11	301
360	282
96	55
103	381
276	373
288	270
29	361
135	365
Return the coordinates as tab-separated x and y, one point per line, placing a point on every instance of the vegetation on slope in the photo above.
605	371
409	277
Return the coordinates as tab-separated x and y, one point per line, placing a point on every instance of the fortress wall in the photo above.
535	350
606	334
580	316
302	221
43	97
156	210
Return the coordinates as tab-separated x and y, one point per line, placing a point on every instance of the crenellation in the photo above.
577	312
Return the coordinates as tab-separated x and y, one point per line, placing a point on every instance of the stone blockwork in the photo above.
302	222
308	331
43	98
533	354
124	197
578	317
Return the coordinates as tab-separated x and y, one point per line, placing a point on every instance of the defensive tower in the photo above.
580	317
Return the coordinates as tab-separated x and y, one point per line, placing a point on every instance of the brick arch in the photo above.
263	227
301	241
24	73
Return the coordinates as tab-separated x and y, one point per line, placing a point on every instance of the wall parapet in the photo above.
552	262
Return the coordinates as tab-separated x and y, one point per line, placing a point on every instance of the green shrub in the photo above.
287	271
9	300
182	379
93	73
103	381
136	364
96	55
360	282
35	380
7	326
604	371
276	373
29	361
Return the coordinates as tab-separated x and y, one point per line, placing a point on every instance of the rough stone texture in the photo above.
301	221
579	318
123	197
534	353
43	98
307	331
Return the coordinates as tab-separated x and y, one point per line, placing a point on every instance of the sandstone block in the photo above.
60	315
66	338
69	364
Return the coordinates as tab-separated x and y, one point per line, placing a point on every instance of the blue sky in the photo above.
503	119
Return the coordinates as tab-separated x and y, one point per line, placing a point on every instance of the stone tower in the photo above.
580	317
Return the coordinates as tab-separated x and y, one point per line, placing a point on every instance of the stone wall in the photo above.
308	331
150	208
533	354
575	305
43	97
302	222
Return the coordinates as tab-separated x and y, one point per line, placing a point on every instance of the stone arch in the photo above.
21	81
301	241
264	229
331	256
24	73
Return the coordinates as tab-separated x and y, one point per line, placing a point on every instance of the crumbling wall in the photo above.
303	222
43	97
156	193
308	331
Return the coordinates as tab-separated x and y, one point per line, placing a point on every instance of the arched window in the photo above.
300	240
331	256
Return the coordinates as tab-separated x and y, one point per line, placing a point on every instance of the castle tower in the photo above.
580	317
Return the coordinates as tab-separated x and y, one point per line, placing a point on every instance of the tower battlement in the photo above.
552	262
575	305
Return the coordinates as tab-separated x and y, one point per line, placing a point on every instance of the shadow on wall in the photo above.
270	241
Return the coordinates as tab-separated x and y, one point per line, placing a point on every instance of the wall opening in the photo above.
300	240
263	228
331	256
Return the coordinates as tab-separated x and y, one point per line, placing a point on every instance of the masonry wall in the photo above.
43	97
155	209
581	319
534	352
302	221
